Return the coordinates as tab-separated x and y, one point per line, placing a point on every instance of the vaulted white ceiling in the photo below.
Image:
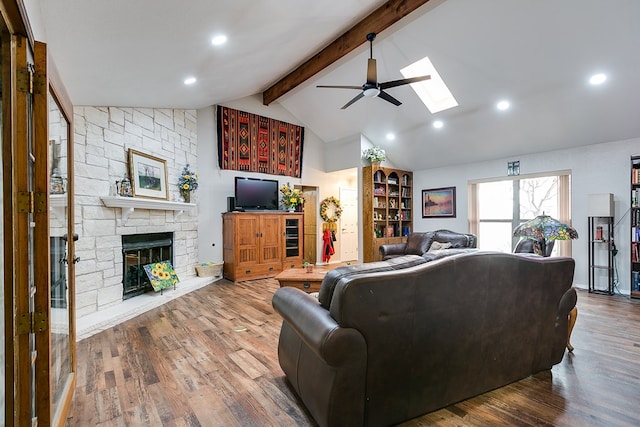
537	54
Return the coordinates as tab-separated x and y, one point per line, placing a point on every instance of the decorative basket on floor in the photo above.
209	269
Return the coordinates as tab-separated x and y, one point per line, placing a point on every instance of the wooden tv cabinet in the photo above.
261	244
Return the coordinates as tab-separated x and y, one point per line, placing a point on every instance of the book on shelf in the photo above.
635	257
635	280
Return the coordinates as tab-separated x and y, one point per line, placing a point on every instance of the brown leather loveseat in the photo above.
421	243
387	345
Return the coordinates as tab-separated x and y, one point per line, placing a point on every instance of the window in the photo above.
498	207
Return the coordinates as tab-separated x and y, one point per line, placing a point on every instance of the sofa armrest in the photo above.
315	326
392	249
567	302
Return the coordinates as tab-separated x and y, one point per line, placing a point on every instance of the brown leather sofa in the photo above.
389	344
421	242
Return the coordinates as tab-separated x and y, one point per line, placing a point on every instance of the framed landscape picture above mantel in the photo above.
148	175
439	203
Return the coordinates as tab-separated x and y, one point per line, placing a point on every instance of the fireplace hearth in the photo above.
139	250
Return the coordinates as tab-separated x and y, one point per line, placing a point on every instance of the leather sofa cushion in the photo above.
418	243
406	261
457	240
333	277
443	253
437	246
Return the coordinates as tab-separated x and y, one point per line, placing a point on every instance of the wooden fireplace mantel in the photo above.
129	204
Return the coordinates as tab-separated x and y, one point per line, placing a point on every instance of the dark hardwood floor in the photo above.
209	358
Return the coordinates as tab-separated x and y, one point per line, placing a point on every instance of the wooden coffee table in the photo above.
298	277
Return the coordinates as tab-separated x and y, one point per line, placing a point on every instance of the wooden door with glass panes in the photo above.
29	398
27	241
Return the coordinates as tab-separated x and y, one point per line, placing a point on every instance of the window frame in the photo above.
564	205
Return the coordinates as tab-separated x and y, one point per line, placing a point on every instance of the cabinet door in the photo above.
269	246
247	238
292	241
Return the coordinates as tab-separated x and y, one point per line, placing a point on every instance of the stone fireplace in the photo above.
139	250
102	138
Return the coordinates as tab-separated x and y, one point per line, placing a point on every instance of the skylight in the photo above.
434	93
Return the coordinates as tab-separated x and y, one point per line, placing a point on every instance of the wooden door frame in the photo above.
20	224
8	88
310	219
42	267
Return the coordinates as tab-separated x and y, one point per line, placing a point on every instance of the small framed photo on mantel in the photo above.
439	203
148	175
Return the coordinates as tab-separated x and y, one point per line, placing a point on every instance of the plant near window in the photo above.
187	182
374	154
291	197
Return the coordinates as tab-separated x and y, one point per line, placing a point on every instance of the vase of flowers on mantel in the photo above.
187	183
291	197
375	155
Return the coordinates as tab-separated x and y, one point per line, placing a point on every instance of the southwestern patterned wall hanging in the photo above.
252	143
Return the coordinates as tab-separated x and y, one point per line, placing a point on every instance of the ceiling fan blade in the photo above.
394	83
342	87
384	95
358	96
372	72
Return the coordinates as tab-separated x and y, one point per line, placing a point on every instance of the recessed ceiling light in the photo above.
190	80
438	124
598	79
391	136
503	105
218	40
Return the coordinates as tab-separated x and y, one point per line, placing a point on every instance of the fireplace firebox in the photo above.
139	250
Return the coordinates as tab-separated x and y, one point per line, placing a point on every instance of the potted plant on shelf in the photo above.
291	197
187	182
375	155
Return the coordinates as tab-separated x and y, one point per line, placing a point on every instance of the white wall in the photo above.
343	154
600	168
216	184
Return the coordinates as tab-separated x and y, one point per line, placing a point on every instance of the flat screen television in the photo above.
256	194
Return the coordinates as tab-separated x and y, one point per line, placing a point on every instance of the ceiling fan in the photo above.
372	88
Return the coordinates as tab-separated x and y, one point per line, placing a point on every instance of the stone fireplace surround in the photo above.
102	136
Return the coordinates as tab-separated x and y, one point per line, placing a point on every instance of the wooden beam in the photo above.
380	19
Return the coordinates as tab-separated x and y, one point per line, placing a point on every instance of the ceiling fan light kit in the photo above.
371	92
372	88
